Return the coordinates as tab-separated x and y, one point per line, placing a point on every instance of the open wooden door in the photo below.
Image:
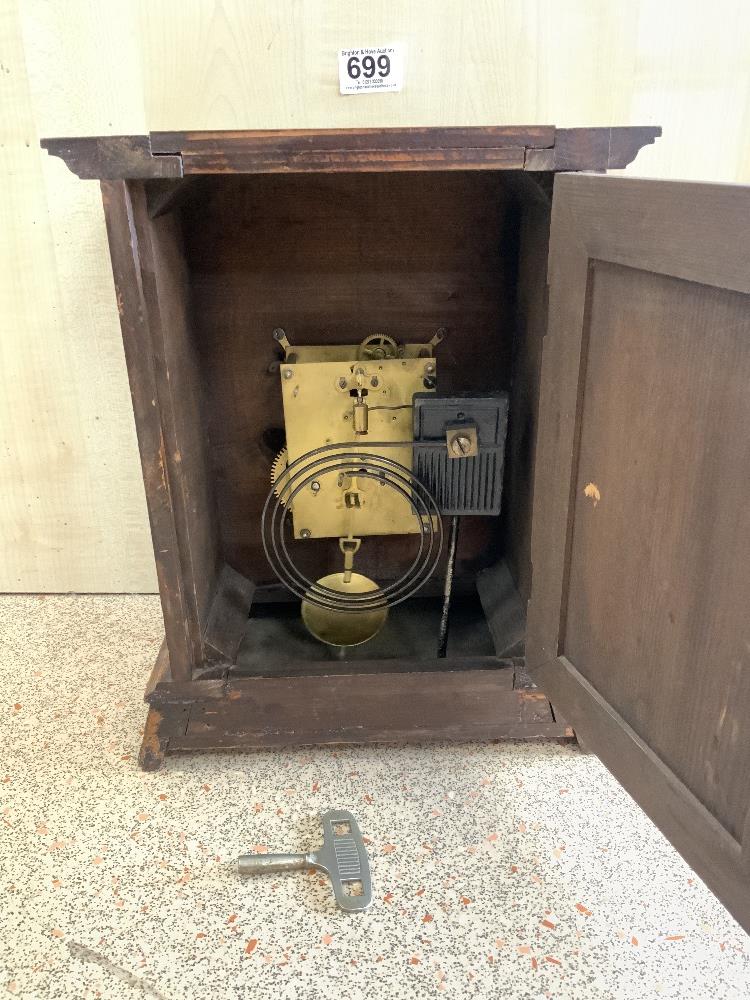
639	619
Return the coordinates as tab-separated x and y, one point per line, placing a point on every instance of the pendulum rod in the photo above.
447	588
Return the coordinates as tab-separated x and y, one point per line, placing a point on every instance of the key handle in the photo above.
343	858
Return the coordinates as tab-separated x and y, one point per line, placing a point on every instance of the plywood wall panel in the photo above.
274	65
72	510
72	513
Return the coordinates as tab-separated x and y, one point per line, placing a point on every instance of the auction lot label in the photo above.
371	69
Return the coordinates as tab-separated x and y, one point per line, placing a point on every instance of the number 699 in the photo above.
368	67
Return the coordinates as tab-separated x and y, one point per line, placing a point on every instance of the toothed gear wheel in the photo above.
376	347
278	468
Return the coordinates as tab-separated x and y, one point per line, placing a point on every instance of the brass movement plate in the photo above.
316	385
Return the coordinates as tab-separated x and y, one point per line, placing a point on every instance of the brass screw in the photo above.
429	368
460	445
342	383
315	486
374	381
288	373
305	533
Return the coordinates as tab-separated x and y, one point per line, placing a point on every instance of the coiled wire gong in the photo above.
363	602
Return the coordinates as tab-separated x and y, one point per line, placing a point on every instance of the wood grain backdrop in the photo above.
72	512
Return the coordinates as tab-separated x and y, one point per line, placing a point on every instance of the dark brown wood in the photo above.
160	672
503	608
354	708
718	857
112	157
638	624
162	729
643	225
354	139
165	285
354	150
165	690
137	340
479	148
530	329
170	154
341	256
151	755
227	619
151	284
436	700
241	160
165	195
592	148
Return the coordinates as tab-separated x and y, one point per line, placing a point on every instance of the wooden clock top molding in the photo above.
485	147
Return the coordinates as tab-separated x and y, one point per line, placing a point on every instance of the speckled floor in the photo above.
520	871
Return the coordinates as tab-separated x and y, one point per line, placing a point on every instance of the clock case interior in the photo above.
333	259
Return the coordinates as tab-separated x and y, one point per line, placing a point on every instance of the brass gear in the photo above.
376	347
278	469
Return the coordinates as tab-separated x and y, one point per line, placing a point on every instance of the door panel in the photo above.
639	622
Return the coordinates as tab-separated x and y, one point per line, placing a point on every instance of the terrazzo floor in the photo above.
518	870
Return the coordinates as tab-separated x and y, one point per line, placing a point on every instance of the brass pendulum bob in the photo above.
344	628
